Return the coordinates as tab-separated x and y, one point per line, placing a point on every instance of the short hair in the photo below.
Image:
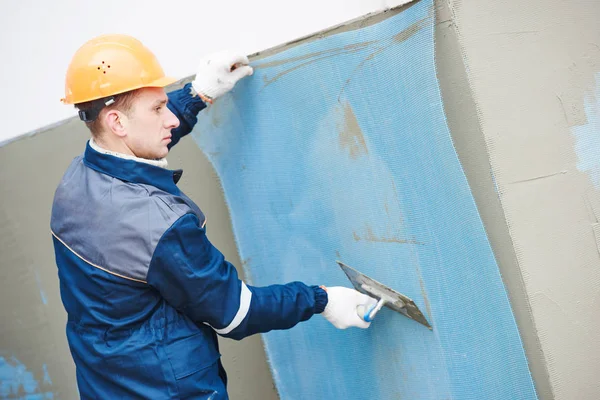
122	102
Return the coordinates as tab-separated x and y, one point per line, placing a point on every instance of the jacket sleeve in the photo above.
186	107
194	277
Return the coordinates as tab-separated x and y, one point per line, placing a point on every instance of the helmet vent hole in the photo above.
104	71
109	66
98	67
102	62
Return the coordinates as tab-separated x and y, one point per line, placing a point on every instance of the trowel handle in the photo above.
371	312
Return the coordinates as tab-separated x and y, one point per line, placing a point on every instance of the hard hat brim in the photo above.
160	82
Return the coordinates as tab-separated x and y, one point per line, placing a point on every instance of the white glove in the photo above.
344	306
219	72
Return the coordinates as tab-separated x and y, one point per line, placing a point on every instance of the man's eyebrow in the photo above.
160	102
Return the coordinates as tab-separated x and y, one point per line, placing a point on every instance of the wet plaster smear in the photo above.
533	68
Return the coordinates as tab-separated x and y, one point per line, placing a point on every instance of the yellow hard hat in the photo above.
109	65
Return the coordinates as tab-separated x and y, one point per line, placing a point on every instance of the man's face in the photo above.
149	123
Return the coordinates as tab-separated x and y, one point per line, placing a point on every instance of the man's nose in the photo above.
172	121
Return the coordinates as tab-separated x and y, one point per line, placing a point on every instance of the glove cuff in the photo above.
200	93
207	89
321	299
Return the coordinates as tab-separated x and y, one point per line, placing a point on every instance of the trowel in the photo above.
385	296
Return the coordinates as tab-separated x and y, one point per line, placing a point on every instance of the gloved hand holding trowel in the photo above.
347	307
385	297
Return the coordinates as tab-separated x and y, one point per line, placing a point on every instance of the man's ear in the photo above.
116	122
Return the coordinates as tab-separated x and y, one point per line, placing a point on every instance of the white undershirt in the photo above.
161	162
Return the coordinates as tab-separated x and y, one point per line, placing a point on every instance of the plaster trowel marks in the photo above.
351	137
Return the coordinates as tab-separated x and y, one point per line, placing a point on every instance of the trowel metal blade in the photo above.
394	300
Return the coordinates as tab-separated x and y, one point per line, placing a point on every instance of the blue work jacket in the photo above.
144	289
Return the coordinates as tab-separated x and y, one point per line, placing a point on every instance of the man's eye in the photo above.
157	109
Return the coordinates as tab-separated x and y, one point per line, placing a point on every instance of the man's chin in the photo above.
162	153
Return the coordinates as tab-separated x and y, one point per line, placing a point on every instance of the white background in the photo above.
38	39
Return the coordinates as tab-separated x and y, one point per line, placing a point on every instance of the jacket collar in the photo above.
162	162
131	170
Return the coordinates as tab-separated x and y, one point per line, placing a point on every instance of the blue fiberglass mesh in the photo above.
339	149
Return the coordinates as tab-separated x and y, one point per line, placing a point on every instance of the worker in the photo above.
144	289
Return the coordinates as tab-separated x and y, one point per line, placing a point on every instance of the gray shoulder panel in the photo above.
112	224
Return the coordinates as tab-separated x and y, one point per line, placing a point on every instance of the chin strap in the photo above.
91	113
